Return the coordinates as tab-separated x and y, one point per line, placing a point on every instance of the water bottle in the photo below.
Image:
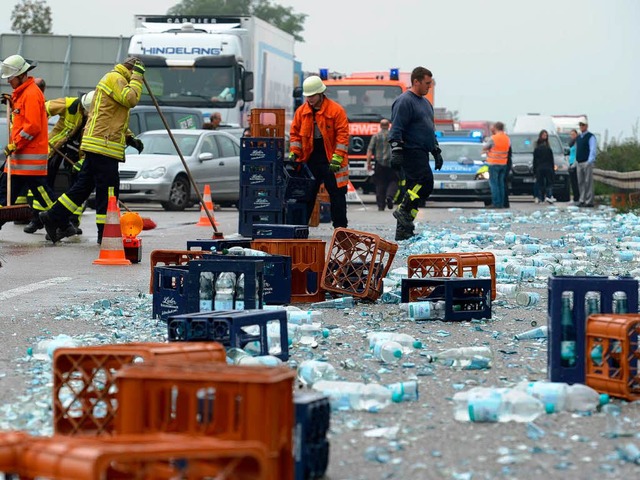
558	396
45	349
538	332
392	297
404	391
300	317
568	332
370	397
342	302
592	303
408	342
466	358
388	351
613	424
309	334
527	299
224	291
496	405
312	371
247	251
206	291
526	249
238	356
425	310
240	293
507	290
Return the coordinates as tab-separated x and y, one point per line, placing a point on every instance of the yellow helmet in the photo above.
15	65
312	86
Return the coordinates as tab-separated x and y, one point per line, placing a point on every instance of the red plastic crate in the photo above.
11	444
450	265
222	401
612	355
84	387
357	262
307	264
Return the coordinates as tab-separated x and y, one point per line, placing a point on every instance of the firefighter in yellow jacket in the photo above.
320	138
103	143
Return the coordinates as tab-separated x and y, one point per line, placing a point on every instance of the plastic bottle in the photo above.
568	332
388	351
342	302
250	252
392	297
527	299
404	391
310	333
300	317
507	290
426	310
538	332
496	405
238	356
206	291
558	396
46	348
407	341
224	291
370	397
239	304
467	358
312	371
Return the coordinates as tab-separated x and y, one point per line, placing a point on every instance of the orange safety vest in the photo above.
498	154
334	127
29	131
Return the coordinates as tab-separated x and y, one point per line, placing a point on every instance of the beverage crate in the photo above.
299	182
261	198
307	263
160	456
227	402
574	372
84	390
280	231
452	265
613	353
325	212
169	291
295	213
310	446
261	173
231	328
217	245
263	149
356	263
248	218
11	444
171	257
465	298
267	122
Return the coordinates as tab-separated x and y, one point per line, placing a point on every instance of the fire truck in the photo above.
367	98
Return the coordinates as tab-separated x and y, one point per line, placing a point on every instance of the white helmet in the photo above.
312	86
86	100
15	65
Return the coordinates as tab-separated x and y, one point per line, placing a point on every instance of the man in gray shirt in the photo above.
385	177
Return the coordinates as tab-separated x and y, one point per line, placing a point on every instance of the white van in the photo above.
533	122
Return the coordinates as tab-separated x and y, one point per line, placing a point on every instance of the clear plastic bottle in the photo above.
391	297
558	396
507	290
388	351
408	342
300	317
404	391
467	358
538	332
251	252
312	371
206	291
527	299
568	332
309	334
370	397
238	356
224	291
239	303
342	302
425	310
496	405
45	349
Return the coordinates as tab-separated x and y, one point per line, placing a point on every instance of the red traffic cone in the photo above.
111	249
204	219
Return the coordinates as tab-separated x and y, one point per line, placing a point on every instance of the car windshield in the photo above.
371	102
162	144
458	152
524	143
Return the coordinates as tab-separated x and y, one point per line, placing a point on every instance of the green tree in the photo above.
282	17
31	16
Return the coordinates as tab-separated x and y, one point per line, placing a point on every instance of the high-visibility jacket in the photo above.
333	125
116	93
29	131
70	111
499	152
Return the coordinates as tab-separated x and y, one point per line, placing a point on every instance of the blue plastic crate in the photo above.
280	231
261	173
465	298
295	213
261	198
218	244
325	212
264	149
248	218
231	329
310	444
299	182
169	290
579	287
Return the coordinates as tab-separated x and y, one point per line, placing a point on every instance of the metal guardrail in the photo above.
623	180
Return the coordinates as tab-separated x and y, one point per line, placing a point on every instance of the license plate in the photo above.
452	185
125	186
358	172
528	180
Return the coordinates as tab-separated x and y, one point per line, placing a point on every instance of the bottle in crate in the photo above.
206	291
569	333
225	286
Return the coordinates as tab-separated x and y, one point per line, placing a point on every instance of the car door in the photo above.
206	163
228	179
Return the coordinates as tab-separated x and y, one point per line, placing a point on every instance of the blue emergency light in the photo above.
476	134
439	134
394	74
324	73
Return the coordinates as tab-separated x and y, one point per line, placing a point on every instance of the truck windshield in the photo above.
522	143
200	86
364	102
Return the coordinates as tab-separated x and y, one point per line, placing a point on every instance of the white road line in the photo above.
32	287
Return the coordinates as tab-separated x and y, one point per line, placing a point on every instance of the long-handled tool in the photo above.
12	213
147	223
216	234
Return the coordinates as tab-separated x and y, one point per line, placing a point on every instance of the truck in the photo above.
367	98
211	62
565	123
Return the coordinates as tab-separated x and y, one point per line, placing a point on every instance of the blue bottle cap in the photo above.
604	399
417	344
396	397
397	353
549	408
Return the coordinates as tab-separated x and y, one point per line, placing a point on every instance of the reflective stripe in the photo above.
67	203
296	144
111	192
24	134
45	196
29	156
340	146
342	177
414	213
101	219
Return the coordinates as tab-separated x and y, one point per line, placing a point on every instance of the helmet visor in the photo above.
8	71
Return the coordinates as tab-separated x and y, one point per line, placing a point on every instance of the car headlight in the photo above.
155	173
561	167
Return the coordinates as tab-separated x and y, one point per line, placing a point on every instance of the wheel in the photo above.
563	195
178	195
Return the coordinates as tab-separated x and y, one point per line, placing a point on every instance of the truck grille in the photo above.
358	144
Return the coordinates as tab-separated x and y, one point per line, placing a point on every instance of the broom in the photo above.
147	223
12	213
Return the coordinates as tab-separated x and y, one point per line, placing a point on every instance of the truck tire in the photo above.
178	195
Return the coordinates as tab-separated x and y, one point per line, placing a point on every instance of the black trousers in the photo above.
418	180
337	195
386	180
21	183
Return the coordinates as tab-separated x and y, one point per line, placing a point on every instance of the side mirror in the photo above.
205	156
567	151
297	92
247	86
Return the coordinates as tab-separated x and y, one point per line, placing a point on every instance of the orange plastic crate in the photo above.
149	457
11	444
222	401
314	220
267	122
357	262
619	200
612	355
84	387
172	257
450	265
307	264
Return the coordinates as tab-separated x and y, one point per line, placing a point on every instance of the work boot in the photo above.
75	221
390	203
68	231
403	233
50	226
34	225
404	218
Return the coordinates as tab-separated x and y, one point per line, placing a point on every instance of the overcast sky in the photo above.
492	59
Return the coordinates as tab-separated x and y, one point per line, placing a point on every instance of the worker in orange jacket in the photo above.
28	146
320	138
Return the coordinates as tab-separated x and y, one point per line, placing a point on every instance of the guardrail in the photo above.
623	180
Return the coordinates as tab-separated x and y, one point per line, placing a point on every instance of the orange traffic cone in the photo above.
204	219
112	250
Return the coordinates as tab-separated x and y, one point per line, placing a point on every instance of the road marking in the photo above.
32	287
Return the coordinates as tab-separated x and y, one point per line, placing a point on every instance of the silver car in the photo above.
158	175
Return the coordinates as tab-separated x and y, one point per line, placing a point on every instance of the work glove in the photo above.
5	98
138	68
437	156
293	158
336	163
292	164
397	155
135	143
9	149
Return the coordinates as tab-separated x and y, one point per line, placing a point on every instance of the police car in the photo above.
464	176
